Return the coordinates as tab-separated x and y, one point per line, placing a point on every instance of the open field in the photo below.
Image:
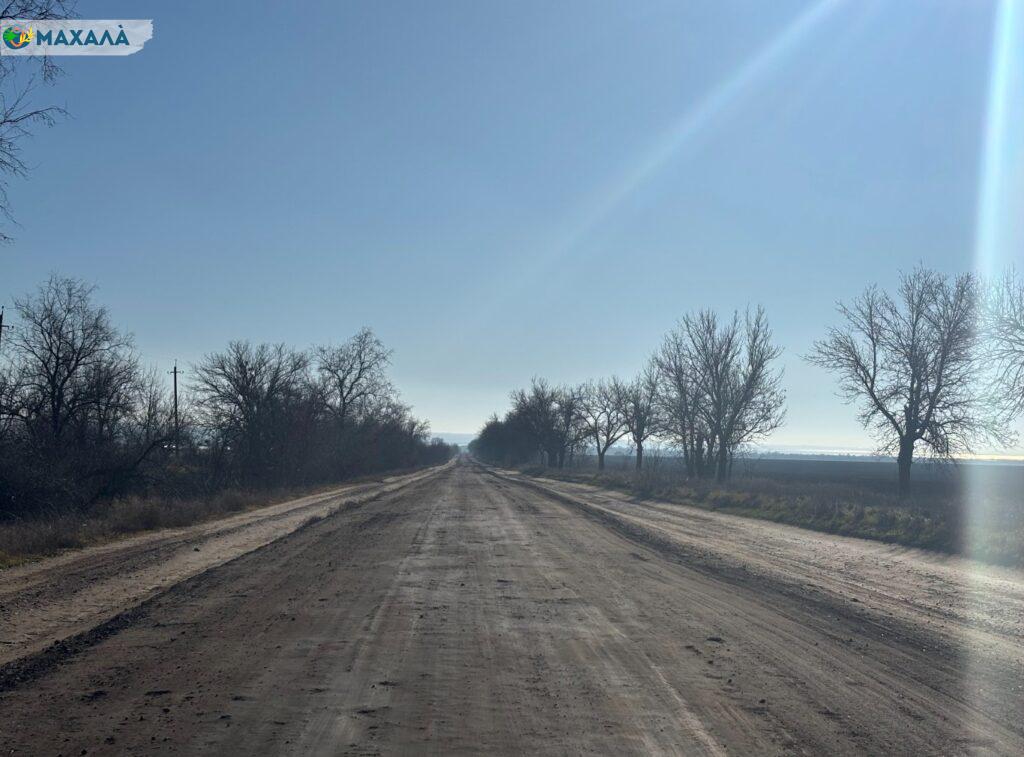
975	509
467	610
1004	480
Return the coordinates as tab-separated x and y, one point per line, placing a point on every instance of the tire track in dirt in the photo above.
976	681
471	613
64	599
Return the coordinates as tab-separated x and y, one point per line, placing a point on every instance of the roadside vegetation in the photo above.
93	443
29	538
25	539
934	369
936	518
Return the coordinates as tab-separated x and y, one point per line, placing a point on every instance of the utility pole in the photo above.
177	439
2	327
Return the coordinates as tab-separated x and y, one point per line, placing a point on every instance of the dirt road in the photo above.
472	612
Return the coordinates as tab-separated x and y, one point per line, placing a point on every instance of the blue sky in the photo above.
504	190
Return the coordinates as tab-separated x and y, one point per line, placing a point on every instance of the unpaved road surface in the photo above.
474	612
47	601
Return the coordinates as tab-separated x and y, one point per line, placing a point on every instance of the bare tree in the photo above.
245	395
71	393
758	402
683	419
553	416
910	362
354	374
17	113
151	417
73	364
604	416
80	420
9	391
739	389
504	441
1004	343
570	430
538	408
640	409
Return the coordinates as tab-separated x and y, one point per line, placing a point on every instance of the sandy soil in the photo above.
46	601
475	612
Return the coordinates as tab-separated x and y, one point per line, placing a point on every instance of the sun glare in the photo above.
998	243
680	136
1000	223
1000	220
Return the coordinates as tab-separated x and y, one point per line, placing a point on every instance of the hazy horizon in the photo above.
509	192
770	449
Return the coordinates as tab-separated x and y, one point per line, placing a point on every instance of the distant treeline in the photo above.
710	388
82	420
937	366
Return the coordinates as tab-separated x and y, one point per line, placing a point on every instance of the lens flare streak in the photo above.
999	240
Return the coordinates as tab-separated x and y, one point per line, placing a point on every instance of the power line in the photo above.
177	435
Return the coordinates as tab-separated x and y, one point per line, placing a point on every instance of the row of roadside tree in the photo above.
937	367
82	419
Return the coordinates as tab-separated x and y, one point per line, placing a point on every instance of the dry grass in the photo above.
48	535
929	522
54	532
